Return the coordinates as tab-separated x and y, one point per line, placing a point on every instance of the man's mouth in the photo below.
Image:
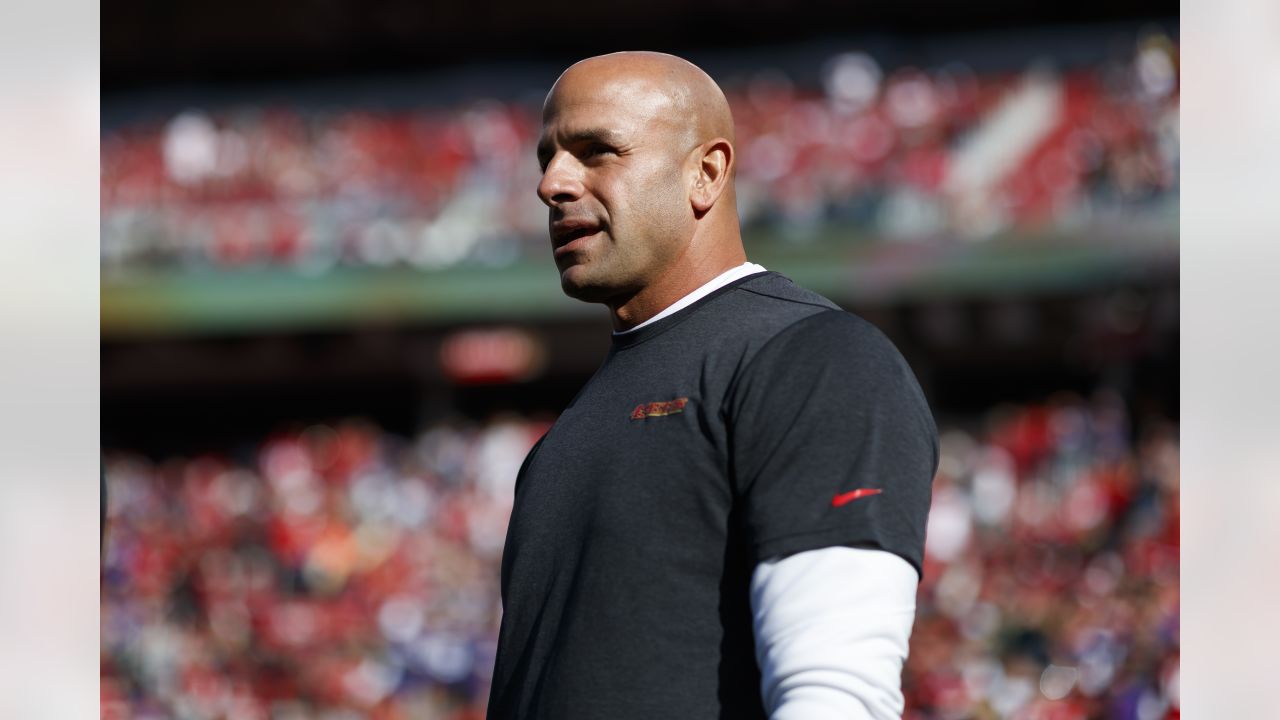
565	233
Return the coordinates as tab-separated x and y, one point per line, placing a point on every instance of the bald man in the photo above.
728	520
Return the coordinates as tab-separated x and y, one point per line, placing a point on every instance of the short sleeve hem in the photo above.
841	536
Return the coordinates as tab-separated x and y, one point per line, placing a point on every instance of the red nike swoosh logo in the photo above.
845	498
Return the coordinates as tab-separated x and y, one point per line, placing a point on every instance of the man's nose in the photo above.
560	182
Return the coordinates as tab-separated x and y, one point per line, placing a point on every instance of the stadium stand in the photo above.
346	572
941	153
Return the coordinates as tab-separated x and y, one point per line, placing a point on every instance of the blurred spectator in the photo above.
344	572
1051	584
896	154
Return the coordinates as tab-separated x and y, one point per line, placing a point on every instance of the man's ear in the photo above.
715	167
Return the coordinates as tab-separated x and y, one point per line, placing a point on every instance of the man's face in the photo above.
615	180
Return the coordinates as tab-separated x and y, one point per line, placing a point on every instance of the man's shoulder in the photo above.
774	313
762	305
778	293
769	312
770	304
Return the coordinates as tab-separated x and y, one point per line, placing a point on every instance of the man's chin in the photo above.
578	284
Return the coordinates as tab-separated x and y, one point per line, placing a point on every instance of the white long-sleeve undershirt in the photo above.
831	633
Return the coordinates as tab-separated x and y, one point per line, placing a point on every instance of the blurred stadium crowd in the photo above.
900	153
344	572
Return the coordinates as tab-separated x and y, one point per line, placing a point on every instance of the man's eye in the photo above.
598	149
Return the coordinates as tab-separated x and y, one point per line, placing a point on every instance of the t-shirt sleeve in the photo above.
831	442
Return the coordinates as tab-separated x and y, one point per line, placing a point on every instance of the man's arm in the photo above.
834	451
831	633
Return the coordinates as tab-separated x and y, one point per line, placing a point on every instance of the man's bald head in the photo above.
690	96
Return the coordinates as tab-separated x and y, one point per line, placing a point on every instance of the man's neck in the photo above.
667	290
715	246
727	277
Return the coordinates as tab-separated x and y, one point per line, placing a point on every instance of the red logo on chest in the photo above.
658	409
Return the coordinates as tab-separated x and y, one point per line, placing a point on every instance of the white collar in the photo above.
719	281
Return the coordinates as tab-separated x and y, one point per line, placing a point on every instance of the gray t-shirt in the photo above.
759	422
